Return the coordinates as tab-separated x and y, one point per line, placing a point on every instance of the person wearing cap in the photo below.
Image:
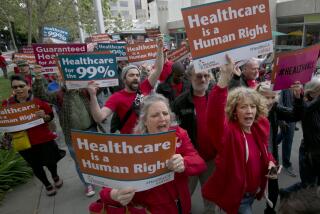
24	71
126	102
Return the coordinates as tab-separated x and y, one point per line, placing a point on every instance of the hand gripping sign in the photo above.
119	161
79	69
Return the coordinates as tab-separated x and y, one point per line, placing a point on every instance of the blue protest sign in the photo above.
56	33
79	69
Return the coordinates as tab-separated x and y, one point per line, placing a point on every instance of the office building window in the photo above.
137	4
123	3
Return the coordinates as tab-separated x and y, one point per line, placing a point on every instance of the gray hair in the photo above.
126	69
312	88
140	127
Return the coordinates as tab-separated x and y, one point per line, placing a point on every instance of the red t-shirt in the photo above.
205	150
121	102
254	165
252	83
177	88
3	63
38	134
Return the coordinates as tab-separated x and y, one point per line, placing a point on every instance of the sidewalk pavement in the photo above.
31	198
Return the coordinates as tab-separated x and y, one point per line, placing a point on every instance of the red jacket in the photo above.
226	186
161	199
38	134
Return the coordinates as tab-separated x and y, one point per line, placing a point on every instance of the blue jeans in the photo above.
73	155
246	204
286	136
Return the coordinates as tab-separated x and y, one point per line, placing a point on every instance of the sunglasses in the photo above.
200	76
18	86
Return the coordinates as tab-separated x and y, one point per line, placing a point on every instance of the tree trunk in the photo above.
29	8
12	36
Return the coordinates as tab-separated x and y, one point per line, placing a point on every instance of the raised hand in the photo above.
92	88
226	72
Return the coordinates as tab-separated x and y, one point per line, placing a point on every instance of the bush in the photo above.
14	170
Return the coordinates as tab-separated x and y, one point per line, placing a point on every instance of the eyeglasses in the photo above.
200	76
18	86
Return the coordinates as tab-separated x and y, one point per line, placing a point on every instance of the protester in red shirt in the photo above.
24	71
167	66
239	132
3	66
121	101
190	109
44	150
175	84
172	197
248	78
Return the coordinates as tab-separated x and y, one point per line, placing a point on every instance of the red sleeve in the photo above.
106	198
194	164
43	106
146	87
216	116
112	102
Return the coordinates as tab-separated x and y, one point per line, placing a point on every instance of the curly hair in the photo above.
140	127
238	94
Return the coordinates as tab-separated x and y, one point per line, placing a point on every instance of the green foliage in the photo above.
13	171
5	88
56	13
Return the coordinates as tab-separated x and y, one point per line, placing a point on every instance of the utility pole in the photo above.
76	8
99	16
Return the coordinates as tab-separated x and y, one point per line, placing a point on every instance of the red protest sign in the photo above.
141	52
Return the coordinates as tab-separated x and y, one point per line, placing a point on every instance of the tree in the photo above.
30	16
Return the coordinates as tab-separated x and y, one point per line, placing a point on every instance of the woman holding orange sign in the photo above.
172	197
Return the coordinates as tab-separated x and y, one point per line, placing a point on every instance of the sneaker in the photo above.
290	171
50	190
90	191
58	182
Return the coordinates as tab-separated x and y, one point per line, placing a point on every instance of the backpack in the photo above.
117	123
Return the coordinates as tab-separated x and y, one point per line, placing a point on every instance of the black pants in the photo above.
39	172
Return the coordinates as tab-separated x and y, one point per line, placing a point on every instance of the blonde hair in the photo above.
140	127
238	94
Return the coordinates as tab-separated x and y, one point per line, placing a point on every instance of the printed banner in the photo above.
28	57
46	54
57	35
98	38
178	54
294	66
238	28
19	117
119	161
26	50
117	49
141	53
79	69
152	32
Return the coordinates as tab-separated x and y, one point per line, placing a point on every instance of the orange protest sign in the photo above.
240	28
120	161
30	58
20	116
141	52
